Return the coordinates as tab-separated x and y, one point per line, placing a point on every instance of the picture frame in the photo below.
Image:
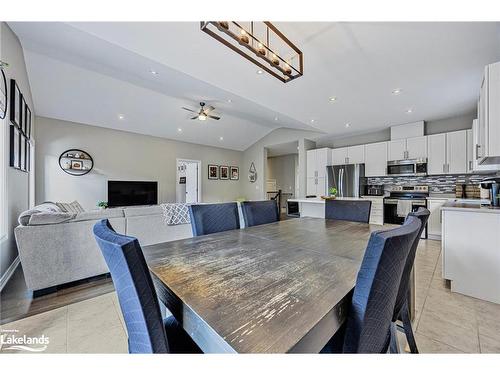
213	172
22	154
22	119
28	155
4	95
76	164
15	104
15	138
27	121
224	172
234	173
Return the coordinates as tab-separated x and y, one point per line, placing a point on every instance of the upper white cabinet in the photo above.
436	149
348	155
472	161
317	161
447	153
488	137
376	159
408	148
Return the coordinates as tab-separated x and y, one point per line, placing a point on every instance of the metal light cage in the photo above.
261	43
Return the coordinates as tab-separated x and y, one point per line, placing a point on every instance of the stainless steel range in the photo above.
402	200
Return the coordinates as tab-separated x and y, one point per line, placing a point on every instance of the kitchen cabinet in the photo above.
317	161
376	159
408	148
435	219
488	137
348	155
447	153
377	209
472	161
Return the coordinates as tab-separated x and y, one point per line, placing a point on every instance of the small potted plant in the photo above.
102	205
332	192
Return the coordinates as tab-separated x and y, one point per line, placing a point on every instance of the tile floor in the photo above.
445	322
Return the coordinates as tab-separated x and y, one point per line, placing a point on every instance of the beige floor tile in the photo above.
52	324
105	340
488	317
93	314
439	328
426	345
489	344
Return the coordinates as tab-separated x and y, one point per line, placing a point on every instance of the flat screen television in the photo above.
132	193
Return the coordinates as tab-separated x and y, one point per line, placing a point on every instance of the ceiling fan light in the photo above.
261	49
202	117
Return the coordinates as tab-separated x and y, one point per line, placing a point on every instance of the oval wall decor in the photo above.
76	162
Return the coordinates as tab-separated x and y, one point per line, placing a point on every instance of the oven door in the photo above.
391	209
401	168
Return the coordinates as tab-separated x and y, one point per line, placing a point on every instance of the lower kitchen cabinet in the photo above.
377	209
435	220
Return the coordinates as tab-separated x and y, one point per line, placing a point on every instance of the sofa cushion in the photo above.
45	207
73	207
99	214
142	211
50	218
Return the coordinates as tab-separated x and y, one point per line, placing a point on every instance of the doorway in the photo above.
188	189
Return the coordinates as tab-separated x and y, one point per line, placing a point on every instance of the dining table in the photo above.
283	287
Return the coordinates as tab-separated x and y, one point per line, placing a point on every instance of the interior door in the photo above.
191	182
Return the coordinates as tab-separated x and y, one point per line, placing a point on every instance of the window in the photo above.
4	147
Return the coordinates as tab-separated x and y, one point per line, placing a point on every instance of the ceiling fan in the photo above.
203	113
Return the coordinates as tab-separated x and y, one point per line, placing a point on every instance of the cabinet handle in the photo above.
477	151
444	166
470	165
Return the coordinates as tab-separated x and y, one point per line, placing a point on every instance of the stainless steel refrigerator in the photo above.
349	179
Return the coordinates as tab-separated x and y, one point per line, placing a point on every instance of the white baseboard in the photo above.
8	274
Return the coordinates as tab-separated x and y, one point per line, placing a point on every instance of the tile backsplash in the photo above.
439	184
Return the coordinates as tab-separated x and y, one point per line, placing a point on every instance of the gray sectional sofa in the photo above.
57	247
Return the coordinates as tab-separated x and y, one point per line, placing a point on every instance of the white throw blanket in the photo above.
404	207
175	213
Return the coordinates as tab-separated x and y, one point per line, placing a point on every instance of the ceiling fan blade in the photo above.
190	110
209	109
214	117
194	118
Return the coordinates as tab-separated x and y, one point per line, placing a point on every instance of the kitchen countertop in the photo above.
469	207
319	200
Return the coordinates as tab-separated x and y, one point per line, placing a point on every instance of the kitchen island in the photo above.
471	249
315	207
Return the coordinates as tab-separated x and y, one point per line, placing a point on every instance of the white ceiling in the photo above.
91	72
283	149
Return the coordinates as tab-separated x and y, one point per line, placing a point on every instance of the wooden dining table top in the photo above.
273	288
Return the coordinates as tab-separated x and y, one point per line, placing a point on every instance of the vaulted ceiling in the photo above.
95	73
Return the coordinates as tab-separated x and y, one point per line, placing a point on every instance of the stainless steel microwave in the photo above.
407	167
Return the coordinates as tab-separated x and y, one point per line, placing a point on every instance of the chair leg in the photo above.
405	318
394	346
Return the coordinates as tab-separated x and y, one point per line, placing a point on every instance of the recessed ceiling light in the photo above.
121	117
312	120
276	119
347	125
260	71
333	99
154	72
229	101
396	91
179	130
409	110
221	138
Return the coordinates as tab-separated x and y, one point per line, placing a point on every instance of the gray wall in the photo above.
431	127
282	169
257	153
124	156
17	182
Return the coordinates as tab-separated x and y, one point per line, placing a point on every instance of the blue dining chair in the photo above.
147	331
213	218
349	210
260	212
370	315
401	309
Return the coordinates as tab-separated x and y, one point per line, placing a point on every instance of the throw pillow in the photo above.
73	207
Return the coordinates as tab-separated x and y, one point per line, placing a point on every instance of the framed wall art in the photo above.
27	121
234	173
3	95
213	172
15	151
15	104
224	172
